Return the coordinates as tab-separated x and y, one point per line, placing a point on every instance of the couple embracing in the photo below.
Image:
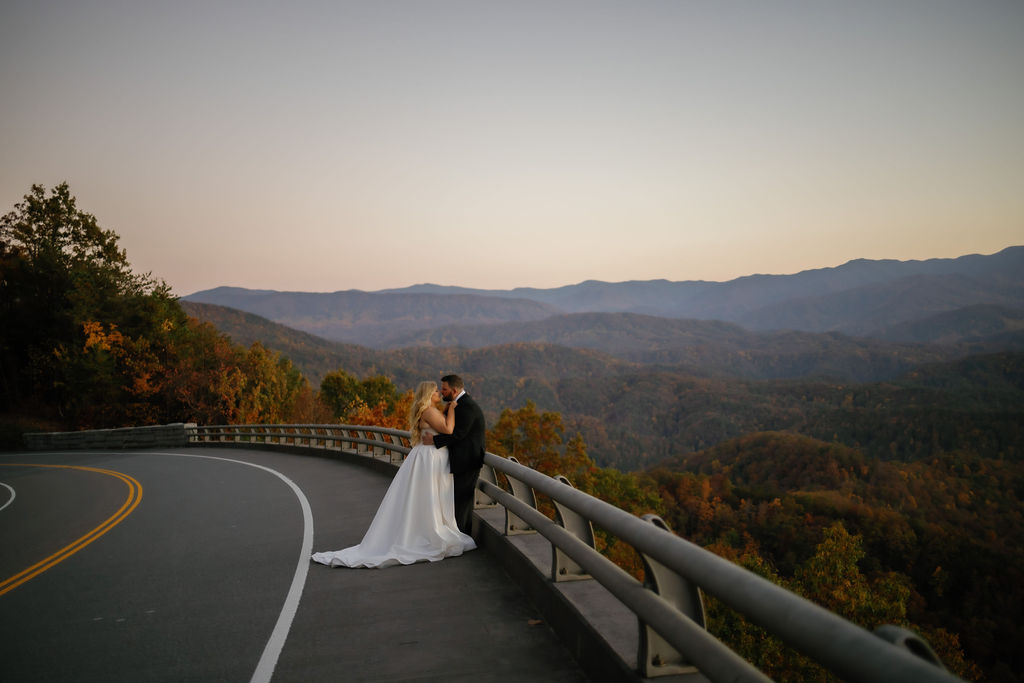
425	514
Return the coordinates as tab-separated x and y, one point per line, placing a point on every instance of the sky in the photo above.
325	146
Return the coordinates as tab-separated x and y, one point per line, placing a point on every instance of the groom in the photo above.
465	447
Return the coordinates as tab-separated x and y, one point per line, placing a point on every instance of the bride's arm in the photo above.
441	423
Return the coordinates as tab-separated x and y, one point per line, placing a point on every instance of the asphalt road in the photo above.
192	565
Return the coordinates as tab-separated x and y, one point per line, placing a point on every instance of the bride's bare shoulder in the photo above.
433	412
432	418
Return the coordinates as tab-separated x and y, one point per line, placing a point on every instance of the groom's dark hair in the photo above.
454	381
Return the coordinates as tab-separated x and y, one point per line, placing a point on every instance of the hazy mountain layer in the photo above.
862	297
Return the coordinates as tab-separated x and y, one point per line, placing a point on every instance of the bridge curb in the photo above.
602	656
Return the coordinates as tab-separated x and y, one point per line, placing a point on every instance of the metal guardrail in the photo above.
668	603
376	442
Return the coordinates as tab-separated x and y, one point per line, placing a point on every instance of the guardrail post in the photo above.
909	641
513	524
656	656
394	457
362	447
482	500
563	567
377	450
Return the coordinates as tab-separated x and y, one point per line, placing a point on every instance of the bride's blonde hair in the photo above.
420	402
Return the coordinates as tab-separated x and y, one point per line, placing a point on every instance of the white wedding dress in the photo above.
416	520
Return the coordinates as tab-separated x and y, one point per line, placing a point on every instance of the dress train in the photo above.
415	521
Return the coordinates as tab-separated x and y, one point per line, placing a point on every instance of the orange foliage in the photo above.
379	415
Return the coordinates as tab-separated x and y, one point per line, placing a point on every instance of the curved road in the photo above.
192	564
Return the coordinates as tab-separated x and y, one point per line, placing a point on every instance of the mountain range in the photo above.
932	301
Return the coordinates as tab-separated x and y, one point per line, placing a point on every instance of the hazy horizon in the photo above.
350	145
572	284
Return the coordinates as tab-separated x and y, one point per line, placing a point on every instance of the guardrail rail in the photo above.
668	603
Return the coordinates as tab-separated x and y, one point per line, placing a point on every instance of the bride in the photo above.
416	520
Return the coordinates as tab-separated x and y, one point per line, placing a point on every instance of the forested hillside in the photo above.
948	528
315	356
701	347
632	419
979	328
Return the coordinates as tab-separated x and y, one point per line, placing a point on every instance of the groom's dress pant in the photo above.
465	495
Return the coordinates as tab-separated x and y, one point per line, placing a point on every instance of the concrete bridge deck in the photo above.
187	578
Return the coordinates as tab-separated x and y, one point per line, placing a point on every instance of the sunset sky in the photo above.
322	146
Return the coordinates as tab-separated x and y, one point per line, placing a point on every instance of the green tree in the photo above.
58	271
377	390
340	391
345	394
750	641
833	579
270	388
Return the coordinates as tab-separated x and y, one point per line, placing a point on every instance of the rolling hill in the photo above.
371	318
619	340
699	347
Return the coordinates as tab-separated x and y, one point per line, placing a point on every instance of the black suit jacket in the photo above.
466	443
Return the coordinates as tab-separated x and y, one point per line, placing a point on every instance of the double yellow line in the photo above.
134	496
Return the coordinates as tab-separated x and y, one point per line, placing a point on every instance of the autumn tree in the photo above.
531	437
207	379
396	417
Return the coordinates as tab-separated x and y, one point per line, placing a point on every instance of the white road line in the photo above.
272	650
265	667
13	495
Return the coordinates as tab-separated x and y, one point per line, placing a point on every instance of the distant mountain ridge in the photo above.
861	297
698	298
986	323
700	348
371	318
